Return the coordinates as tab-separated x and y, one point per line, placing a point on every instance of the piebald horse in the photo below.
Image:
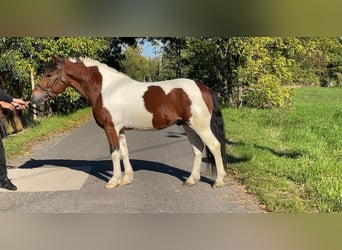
120	103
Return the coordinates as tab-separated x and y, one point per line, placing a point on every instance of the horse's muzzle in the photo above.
38	98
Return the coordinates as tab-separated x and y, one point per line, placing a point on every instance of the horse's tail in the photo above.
217	127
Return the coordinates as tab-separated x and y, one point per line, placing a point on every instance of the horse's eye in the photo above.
48	75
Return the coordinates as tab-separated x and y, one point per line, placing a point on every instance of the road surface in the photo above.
67	174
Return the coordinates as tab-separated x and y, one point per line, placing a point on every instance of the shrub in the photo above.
267	93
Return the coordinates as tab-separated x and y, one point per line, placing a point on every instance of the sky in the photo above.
149	50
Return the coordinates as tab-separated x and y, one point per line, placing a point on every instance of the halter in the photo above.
49	91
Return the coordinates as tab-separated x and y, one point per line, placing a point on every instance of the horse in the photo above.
120	103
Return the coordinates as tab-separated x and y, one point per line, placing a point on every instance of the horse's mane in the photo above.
92	62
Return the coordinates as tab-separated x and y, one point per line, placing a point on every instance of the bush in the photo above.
267	93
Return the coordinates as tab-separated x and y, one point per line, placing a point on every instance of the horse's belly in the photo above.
127	108
138	120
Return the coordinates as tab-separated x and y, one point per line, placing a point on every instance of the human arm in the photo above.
5	97
18	103
6	105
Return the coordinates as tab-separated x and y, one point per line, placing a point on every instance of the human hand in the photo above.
18	103
7	105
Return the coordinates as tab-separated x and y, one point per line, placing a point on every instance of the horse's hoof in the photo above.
110	185
218	184
125	183
188	184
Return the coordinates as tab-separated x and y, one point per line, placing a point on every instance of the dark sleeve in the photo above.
5	97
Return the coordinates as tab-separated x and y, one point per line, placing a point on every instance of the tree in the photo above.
248	71
262	71
116	54
138	67
21	55
15	66
331	72
234	66
213	61
173	55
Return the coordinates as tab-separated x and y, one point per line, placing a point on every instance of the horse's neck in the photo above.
88	87
89	77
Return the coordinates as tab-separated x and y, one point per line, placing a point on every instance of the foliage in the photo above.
245	71
175	59
117	46
21	55
212	61
267	93
232	65
291	159
261	72
332	75
138	67
238	66
15	68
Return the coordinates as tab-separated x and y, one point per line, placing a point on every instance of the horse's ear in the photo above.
56	59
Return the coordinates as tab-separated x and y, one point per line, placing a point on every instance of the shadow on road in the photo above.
103	169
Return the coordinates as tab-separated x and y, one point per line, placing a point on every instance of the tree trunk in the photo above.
240	91
32	87
230	91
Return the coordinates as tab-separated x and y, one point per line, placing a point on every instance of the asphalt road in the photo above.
67	174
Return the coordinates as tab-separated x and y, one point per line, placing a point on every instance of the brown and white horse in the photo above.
120	103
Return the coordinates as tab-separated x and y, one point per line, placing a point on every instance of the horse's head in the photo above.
52	82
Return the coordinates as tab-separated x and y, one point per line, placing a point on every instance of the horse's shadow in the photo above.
103	169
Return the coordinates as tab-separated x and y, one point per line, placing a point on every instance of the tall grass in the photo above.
291	159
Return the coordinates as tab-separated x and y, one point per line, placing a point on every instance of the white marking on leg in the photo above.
116	179
214	146
196	168
128	176
202	128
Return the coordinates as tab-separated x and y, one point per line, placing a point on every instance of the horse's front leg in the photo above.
128	176
114	146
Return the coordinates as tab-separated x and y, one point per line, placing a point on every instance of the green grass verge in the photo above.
43	129
291	159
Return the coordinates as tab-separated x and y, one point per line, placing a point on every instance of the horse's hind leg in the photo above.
197	147
128	176
215	148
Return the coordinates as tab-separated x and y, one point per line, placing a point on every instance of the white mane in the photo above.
102	67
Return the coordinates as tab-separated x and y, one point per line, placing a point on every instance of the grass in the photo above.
43	129
291	159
